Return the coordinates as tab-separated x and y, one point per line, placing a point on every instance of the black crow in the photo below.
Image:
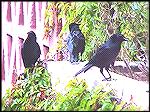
105	55
75	42
30	50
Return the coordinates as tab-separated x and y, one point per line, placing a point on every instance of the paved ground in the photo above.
63	71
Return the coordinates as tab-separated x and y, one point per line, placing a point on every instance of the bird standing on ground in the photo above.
105	55
75	42
30	50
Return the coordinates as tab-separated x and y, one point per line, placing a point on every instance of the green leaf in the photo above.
107	107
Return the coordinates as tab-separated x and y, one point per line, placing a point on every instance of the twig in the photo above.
129	68
143	68
118	102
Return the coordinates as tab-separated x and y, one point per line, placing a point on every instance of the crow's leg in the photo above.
81	57
109	74
107	69
71	58
75	59
101	70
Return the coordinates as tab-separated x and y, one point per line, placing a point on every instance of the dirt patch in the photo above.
134	72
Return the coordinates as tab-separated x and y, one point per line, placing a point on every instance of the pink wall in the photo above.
14	32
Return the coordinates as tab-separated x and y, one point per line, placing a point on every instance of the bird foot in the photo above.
109	79
81	61
114	79
75	63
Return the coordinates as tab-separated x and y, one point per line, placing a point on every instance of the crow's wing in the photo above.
36	52
94	61
27	53
70	43
30	53
77	38
105	55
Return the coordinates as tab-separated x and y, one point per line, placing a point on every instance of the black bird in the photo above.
105	55
30	50
75	42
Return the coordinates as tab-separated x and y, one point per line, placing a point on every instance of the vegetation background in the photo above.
98	20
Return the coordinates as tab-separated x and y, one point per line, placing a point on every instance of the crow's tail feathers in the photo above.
84	69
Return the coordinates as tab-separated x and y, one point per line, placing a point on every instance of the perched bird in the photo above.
105	55
75	42
30	50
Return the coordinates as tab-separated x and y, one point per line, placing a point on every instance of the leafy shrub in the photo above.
99	20
26	94
36	93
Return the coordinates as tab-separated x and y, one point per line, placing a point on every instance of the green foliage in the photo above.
24	95
35	93
97	24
